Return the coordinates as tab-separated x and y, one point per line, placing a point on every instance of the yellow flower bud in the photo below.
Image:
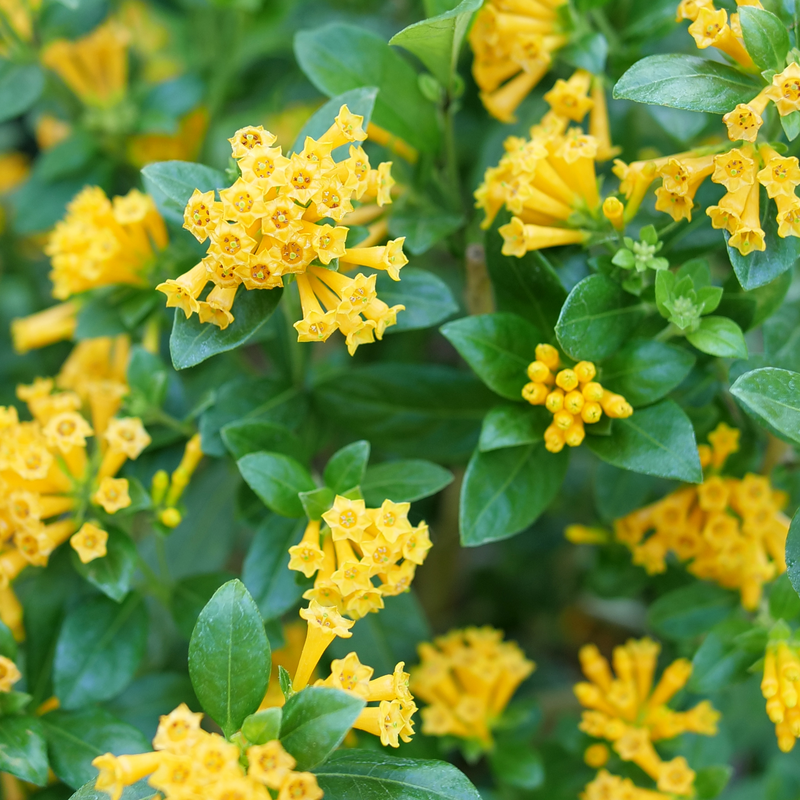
567	380
555	401
548	355
574	402
593	392
586	371
170	517
535	393
591	412
539	372
614	212
563	420
554	439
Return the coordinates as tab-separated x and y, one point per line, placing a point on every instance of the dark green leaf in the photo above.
263	726
765	37
427	299
229	657
687	82
791	125
112	574
587	52
774	395
403	481
658	440
510	426
793	552
317	502
422	226
718	662
784	602
719	336
346	467
172	183
710	781
517	764
618	492
253	436
191	595
505	491
22	749
99	649
147	379
359	101
597	318
8	645
20	87
315	722
691	610
782	336
277	480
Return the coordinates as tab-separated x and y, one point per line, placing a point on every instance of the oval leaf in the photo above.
113	573
22	749
347	466
510	426
277	480
765	37
20	87
427	298
719	336
403	481
774	395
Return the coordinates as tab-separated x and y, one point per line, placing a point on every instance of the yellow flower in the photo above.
178	731
596	755
734	170
724	441
270	764
710	29
112	494
89	542
347	518
569	98
675	777
117	772
300	786
785	90
779	685
689	9
307	556
780	175
324	625
745	121
54	324
9	674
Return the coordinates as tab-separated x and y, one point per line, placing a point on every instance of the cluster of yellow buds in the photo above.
102	241
781	688
606	786
357	545
49	477
166	490
95	67
729	530
390	720
549	182
572	395
467	678
513	42
626	709
190	762
270	224
713	28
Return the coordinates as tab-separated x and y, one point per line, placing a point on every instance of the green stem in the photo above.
153	583
157	414
668	332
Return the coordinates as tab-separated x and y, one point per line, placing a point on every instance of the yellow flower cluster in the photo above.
357	545
102	241
390	720
548	182
626	709
713	28
50	479
190	762
513	42
572	395
468	677
270	224
780	686
730	530
606	786
95	67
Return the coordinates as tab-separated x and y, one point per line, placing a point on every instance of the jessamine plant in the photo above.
536	540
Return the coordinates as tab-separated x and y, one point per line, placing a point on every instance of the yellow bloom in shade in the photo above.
324	625
54	324
596	755
307	556
178	730
581	534
89	542
300	786
112	494
614	212
117	772
9	674
270	764
675	777
570	98
785	89
724	441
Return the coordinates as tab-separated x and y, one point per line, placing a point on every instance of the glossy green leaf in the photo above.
338	57
793	553
20	87
317	501
719	336
423	225
499	347
774	395
403	481
75	738
8	644
346	467
618	492
510	426
147	380
315	722
765	37
359	101
784	602
277	480
505	491
597	318
192	342
22	749
658	440
587	52
645	371
112	574
263	726
229	657
172	183
98	650
688	82
691	610
436	42
374	775
517	764
718	661
191	595
427	299
710	782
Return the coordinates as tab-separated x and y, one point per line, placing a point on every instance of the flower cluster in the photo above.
548	182
572	395
167	490
357	545
730	530
190	762
713	28
102	241
513	42
626	709
270	224
606	786
390	720
50	479
467	678
780	686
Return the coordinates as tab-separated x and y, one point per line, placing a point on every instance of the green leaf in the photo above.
793	552
374	775
403	481
315	722
782	336
644	371
436	42
658	440
74	738
505	491
791	125
597	318
718	662
13	702
191	595
192	342
587	52
22	749
317	502
499	347
784	602
765	37
98	650
138	791
691	610
172	183
20	87
266	574
277	480
517	764
526	286
422	224
427	299
263	726
147	379
687	82
229	657
710	781
339	57
774	395
618	492
719	336
347	466
112	574
510	426
359	101
8	645
253	436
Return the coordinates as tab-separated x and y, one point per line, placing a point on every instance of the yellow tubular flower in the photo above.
745	121
117	772
780	685
324	625
689	9
749	235
54	324
614	212
9	674
14	169
89	542
711	29
785	90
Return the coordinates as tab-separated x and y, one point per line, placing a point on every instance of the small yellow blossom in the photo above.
112	494
89	542
785	89
9	674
